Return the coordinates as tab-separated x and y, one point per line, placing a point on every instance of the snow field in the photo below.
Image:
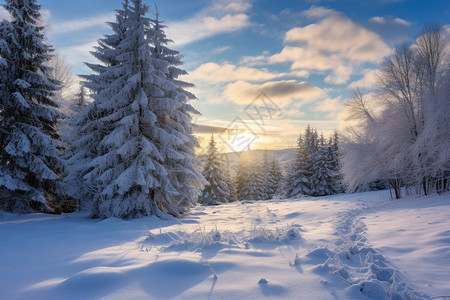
336	247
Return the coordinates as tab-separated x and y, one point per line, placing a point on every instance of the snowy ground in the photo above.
356	246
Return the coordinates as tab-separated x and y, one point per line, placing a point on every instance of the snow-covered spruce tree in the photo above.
81	99
256	187
242	180
321	179
89	128
143	164
174	115
299	180
334	161
276	177
272	176
30	164
252	182
217	190
231	183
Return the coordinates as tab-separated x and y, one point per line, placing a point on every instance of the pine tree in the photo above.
174	113
217	191
321	179
231	186
81	99
256	183
144	162
88	127
276	178
30	165
299	182
333	158
251	181
241	180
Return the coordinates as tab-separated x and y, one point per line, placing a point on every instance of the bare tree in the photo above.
62	71
412	119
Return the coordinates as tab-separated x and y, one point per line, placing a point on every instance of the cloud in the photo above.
79	53
369	80
332	107
334	44
317	12
379	20
205	129
280	92
339	35
255	60
221	49
212	72
390	21
80	24
329	105
401	22
220	17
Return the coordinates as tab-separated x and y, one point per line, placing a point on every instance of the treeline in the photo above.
313	171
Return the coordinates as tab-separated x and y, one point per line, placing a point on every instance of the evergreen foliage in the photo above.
315	169
136	137
217	191
276	180
81	99
258	180
30	164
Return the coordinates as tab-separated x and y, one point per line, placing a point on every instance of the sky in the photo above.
263	69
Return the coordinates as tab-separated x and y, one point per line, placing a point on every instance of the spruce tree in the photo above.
217	191
174	114
243	181
81	99
88	127
321	180
299	181
276	178
30	165
231	186
333	160
144	160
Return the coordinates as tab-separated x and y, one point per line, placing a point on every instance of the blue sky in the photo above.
261	67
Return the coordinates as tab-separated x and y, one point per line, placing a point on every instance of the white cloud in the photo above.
401	22
338	34
80	24
317	12
369	80
221	49
334	44
220	17
231	6
379	20
212	72
389	20
331	106
78	53
255	60
281	92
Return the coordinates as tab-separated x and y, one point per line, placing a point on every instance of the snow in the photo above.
358	246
